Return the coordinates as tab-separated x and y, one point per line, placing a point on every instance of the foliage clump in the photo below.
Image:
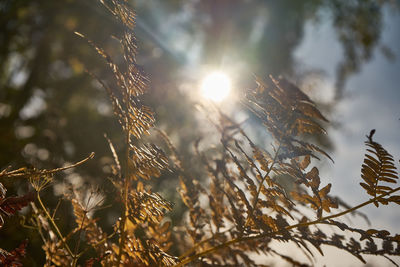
253	196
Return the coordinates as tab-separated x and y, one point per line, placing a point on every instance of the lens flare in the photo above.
216	86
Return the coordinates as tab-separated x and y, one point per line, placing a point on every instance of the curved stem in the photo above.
69	166
23	171
269	234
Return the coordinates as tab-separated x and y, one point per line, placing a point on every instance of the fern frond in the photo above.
287	113
146	161
378	167
144	206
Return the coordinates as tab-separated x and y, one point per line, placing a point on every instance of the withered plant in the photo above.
251	197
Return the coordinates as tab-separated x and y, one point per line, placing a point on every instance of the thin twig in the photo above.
54	226
91	156
23	171
55	210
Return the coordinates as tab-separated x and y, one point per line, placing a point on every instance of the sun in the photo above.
216	86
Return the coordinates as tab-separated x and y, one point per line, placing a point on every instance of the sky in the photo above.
371	101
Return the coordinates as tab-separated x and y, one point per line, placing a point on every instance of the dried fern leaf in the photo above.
10	205
146	161
13	258
141	119
144	206
56	254
378	167
123	12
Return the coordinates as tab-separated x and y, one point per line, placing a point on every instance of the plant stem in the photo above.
97	244
69	166
203	242
262	182
269	234
125	201
24	172
76	254
60	236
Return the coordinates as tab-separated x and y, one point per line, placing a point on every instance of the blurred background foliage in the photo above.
52	112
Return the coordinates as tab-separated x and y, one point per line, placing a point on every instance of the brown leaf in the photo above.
13	258
11	205
324	191
305	162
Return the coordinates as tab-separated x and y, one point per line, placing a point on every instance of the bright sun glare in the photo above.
216	86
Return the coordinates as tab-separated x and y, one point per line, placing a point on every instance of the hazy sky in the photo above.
371	102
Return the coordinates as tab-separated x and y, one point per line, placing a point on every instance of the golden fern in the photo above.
243	200
287	113
378	168
258	193
141	161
